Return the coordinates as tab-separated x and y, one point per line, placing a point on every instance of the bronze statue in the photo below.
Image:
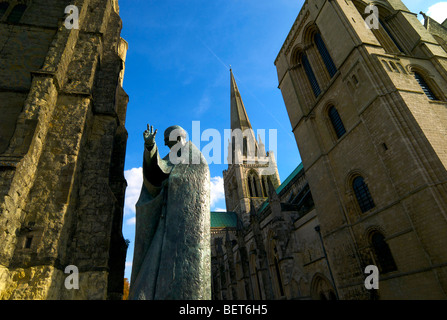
172	239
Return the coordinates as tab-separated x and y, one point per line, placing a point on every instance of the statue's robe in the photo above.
172	255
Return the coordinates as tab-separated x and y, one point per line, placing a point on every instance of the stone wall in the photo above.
63	148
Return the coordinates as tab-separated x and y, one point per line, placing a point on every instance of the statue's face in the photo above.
169	143
179	134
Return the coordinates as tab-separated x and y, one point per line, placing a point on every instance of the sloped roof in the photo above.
284	184
290	178
223	219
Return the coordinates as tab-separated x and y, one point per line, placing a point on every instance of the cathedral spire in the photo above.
239	118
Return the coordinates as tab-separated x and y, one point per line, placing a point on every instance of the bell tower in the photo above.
367	105
250	167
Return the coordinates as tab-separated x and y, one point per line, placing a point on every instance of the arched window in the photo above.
253	187
278	277
425	87
362	194
329	63
277	270
390	35
3	7
383	33
321	288
250	191
310	75
16	13
382	253
264	185
339	128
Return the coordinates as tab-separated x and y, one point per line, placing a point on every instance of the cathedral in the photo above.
365	88
367	106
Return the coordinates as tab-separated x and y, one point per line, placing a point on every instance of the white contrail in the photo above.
265	108
229	67
209	49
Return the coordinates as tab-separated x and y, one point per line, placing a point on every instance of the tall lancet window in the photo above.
425	87
362	194
310	75
339	128
390	35
329	63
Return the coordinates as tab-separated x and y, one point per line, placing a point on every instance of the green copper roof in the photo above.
284	184
289	178
223	219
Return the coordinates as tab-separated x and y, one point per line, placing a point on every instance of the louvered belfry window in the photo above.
310	75
339	128
362	194
329	63
428	92
390	35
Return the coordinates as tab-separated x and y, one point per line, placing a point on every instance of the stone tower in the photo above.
250	167
368	111
62	147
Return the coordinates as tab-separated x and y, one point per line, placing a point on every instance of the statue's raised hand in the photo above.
149	135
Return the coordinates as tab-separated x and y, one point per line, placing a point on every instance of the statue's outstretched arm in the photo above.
154	170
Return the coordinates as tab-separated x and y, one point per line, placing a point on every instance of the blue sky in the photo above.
177	72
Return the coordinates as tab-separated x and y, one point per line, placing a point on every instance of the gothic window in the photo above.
339	128
382	252
384	34
264	185
250	191
321	288
255	187
310	75
16	13
278	277
425	87
254	276
362	194
3	7
390	35
328	62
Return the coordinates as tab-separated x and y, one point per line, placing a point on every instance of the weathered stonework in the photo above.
62	151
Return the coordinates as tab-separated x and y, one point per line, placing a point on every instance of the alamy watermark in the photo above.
372	280
372	20
72	20
239	146
72	280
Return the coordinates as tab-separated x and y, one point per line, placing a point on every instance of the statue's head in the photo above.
173	135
